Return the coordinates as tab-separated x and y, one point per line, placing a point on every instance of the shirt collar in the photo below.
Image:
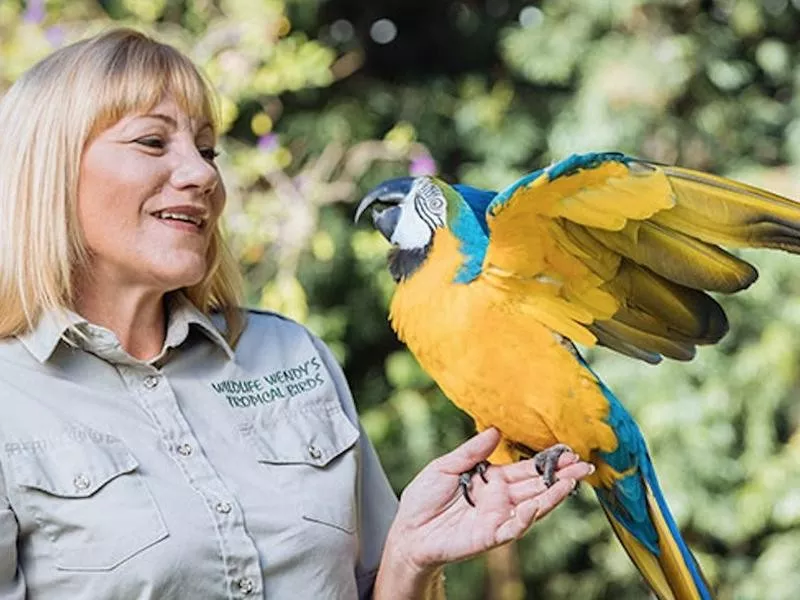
43	338
182	315
54	325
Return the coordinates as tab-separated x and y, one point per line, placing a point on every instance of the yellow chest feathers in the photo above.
417	307
493	360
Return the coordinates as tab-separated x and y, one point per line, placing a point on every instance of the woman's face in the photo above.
149	196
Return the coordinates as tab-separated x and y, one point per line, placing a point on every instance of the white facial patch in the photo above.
411	230
423	211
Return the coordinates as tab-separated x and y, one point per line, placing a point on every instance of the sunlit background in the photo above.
322	99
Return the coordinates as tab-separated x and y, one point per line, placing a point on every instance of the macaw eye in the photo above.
436	203
430	197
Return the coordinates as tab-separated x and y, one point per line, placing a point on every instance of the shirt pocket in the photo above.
90	502
310	442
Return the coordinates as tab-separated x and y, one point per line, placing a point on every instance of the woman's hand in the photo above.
435	525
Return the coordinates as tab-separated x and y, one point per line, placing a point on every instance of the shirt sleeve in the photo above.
12	583
377	500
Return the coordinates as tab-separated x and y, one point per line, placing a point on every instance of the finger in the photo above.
524	469
470	453
566	459
534	509
524	490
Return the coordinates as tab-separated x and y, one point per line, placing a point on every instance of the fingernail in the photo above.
574	484
592	468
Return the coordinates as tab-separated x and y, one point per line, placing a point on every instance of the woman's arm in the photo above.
435	525
398	579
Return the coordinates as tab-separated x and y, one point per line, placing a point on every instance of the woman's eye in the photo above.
208	153
151	142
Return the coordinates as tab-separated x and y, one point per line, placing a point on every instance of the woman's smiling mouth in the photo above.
187	218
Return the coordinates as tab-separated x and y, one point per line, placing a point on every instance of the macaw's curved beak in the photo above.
392	191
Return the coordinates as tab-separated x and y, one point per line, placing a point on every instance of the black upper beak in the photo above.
391	191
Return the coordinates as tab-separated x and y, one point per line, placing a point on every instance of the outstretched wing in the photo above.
605	248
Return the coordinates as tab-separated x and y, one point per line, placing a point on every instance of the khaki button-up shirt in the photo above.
203	473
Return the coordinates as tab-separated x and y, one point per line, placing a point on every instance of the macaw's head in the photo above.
408	212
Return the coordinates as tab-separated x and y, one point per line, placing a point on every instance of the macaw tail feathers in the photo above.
672	573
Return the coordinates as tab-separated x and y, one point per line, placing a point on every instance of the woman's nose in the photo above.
195	171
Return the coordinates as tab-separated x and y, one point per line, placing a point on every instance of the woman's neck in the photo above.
137	316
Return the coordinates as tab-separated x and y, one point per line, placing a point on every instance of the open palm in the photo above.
439	526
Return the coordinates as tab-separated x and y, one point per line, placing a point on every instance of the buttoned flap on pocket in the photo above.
90	502
310	444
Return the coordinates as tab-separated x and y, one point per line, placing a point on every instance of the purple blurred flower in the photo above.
268	142
55	35
34	11
422	164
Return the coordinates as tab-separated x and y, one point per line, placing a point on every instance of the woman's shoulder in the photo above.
266	329
260	321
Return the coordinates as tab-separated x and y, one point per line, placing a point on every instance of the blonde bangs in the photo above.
140	74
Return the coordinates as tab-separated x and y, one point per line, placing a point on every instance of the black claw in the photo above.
574	491
465	480
546	462
481	468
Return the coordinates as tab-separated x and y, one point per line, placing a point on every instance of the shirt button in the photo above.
223	507
184	449
151	381
314	452
246	585
81	482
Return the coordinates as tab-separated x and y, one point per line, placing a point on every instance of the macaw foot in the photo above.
465	479
547	460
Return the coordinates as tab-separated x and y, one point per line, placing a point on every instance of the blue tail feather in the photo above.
627	499
688	558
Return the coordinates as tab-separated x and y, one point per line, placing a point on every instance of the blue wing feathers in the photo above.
576	162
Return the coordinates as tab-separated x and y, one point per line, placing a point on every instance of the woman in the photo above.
158	442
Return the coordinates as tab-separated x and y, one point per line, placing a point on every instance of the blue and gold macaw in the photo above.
600	248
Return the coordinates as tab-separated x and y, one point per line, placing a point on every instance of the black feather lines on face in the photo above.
404	262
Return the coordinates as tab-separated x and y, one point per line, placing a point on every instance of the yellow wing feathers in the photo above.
609	196
627	251
722	211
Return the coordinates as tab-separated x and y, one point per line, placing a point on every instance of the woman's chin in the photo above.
181	278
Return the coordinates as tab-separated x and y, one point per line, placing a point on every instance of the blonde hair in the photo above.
46	119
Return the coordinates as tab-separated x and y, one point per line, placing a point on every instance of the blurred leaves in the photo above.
315	112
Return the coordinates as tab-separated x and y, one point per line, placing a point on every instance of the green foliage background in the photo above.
315	112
